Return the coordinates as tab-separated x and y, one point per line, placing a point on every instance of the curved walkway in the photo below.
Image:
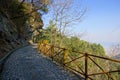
27	64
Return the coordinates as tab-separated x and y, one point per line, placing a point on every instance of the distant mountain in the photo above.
116	56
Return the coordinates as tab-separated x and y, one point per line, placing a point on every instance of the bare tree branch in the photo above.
64	14
26	14
21	4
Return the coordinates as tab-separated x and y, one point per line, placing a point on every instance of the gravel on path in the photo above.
27	64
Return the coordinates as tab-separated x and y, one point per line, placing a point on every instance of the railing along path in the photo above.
62	56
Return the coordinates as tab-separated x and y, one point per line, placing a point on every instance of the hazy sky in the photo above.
101	23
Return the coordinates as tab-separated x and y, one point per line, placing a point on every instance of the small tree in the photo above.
64	13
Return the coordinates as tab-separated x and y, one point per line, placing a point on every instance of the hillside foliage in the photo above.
50	35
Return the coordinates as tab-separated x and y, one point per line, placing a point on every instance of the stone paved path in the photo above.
27	64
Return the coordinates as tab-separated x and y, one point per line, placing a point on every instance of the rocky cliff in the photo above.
19	23
9	36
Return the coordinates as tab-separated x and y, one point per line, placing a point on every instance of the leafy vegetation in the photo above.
72	43
51	35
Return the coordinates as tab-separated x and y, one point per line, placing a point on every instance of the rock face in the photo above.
9	36
19	22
